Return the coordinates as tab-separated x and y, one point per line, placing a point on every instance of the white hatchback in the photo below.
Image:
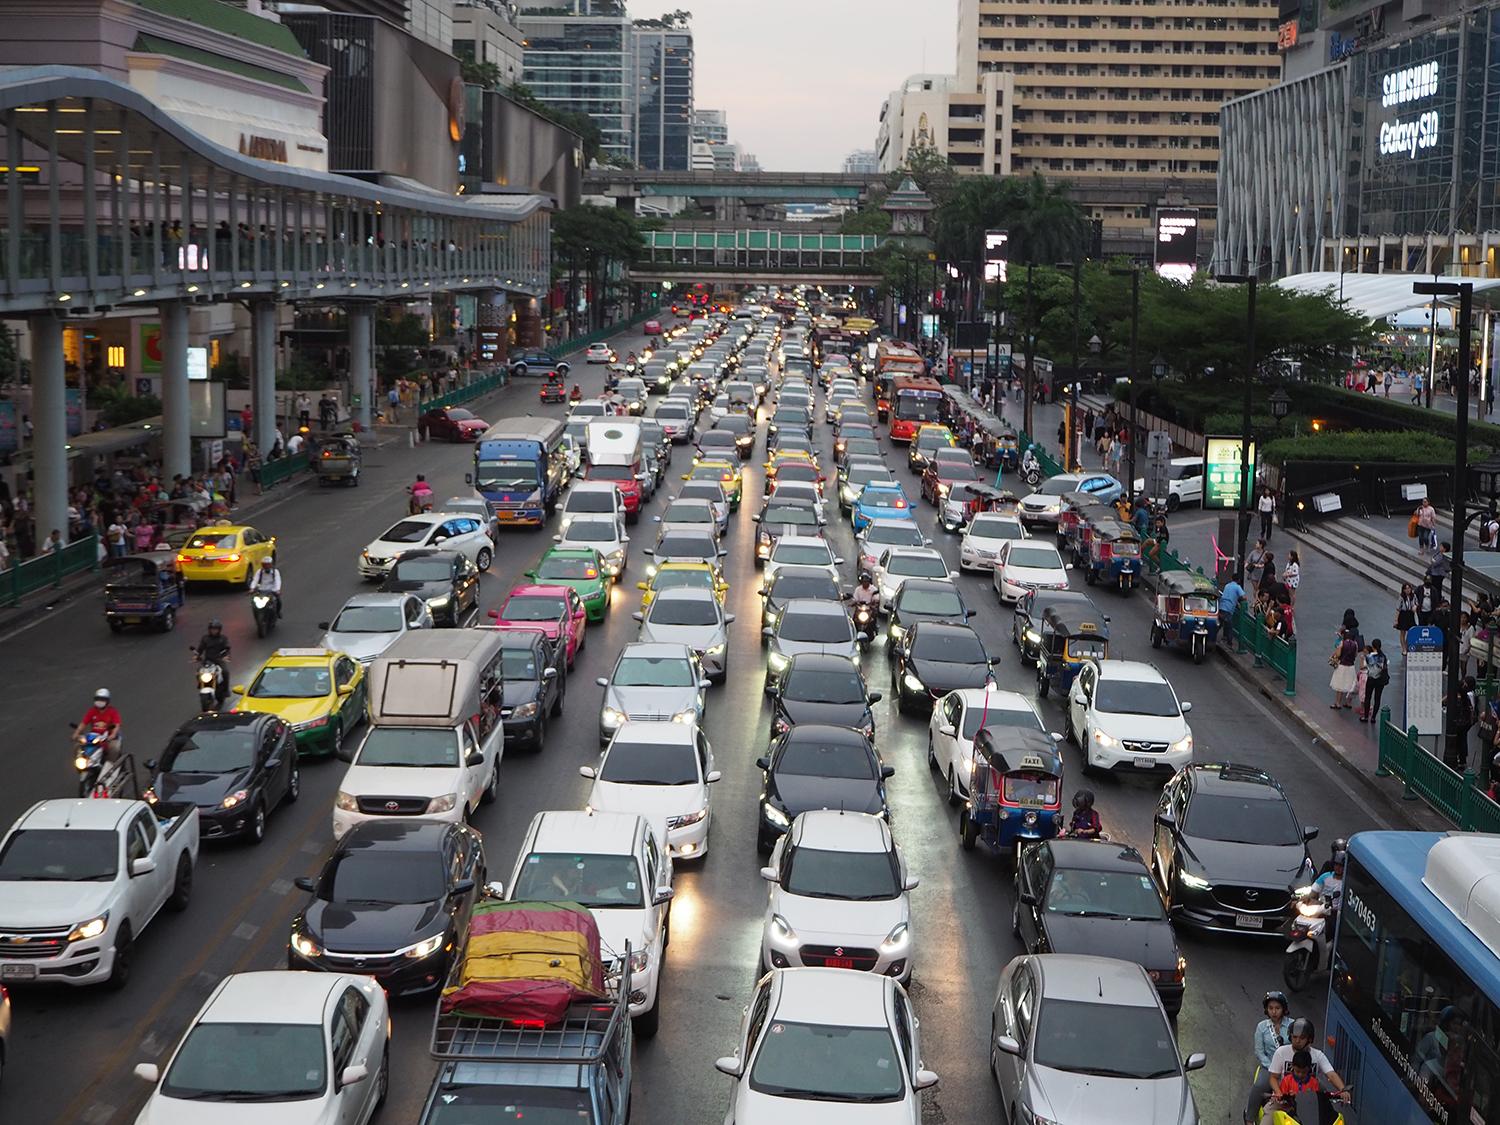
661	771
448	531
983	539
1023	565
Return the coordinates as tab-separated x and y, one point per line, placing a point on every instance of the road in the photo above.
72	1052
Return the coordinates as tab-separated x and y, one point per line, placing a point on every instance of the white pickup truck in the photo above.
81	878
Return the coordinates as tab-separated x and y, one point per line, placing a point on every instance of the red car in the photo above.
451	423
942	477
652	328
624	478
556	611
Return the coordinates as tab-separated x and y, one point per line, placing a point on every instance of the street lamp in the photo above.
1247	485
1070	415
1135	328
1280	402
1158	366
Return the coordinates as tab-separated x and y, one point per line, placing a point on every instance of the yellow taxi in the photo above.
318	693
722	471
696	575
226	553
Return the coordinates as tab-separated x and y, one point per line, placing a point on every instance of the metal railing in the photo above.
1277	653
1051	466
1454	795
274	472
578	343
459	395
49	570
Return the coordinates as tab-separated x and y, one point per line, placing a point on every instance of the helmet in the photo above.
864	576
215	624
1340	845
1278	996
1302	1028
267	562
1083	799
102	693
420	477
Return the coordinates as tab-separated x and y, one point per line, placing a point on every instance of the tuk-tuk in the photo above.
1077	509
337	457
1114	553
553	389
1015	790
1009	449
984	498
144	589
1070	636
1186	612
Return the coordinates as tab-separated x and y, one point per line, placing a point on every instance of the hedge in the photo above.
1378	412
1362	445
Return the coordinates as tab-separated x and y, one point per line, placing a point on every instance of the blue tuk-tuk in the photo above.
1186	612
1070	636
1113	553
144	589
1077	512
1015	790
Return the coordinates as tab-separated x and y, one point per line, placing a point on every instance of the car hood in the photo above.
1141	728
517	692
549	629
402	781
618	926
205	790
1264	865
372	927
694	636
654	802
46	905
945	675
1148	943
839	921
422	589
1065	1096
288	710
1035	575
802	792
835	714
651	702
753	1108
364	647
176	1111
385	549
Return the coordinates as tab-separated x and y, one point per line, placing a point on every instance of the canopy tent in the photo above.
1376	295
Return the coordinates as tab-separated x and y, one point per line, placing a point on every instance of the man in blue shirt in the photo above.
1229	601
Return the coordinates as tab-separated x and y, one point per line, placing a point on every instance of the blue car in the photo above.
880	501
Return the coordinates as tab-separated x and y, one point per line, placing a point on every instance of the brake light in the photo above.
590	572
900	503
530	1025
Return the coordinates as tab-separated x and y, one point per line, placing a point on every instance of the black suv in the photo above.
534	677
446	580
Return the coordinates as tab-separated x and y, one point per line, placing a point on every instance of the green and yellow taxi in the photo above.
318	693
725	472
225	553
695	575
581	568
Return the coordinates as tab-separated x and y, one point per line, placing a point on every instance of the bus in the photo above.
893	358
916	400
521	468
1414	1003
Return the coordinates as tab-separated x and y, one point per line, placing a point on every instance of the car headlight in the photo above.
446	803
346	802
524	710
778	661
640	960
688	716
611	717
305	945
1102	739
913	683
1033	636
774	815
93	928
1183	745
944	489
897	632
899	938
651	571
235	798
1197	882
311	724
424	948
716	650
782	928
439	602
687	819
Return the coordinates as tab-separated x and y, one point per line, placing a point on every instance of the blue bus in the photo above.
1414	1006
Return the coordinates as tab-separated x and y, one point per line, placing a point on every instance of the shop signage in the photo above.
995	254
1286	35
263	148
1221	480
1409	84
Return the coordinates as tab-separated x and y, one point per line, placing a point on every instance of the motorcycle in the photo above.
1305	1108
865	626
553	392
264	608
89	761
1310	944
212	685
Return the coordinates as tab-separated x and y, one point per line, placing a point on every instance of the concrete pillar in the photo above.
361	330
177	443
263	373
49	416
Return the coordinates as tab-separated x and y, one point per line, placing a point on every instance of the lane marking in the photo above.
245	931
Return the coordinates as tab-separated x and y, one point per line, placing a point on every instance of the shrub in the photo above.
1355	446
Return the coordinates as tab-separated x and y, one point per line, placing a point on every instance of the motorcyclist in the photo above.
1085	824
1337	852
1271	1033
101	718
576	394
1301	1035
213	648
267	580
421	495
1029	462
866	592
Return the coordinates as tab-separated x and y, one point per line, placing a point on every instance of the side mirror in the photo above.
468	478
1310	832
346	690
729	619
493	615
643	585
912	883
529	573
549	673
838	562
953	574
649	551
474	758
638	616
152	1073
1027	896
763	762
1196	1061
887	771
712	776
970	612
1186	707
1167	821
352	1075
588	772
143	866
769	874
462	887
663	896
727	1065
1056	736
1008	1045
722	552
925	1079
602	681
494	889
755	518
305	883
324	625
876	696
557	539
238	689
767	631
948	729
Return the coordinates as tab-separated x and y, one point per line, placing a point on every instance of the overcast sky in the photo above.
803	80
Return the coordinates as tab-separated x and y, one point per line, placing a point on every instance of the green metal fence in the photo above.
1457	796
48	570
1051	466
274	472
578	343
461	395
1277	653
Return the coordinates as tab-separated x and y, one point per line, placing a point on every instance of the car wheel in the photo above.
168	619
1173	502
383	1077
968	831
953	797
182	884
646	1023
488	796
294	786
119	972
483	559
256	832
932	762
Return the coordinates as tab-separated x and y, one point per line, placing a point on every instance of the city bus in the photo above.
916	400
892	359
1414	1005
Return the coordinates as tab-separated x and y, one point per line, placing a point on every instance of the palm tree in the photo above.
1047	225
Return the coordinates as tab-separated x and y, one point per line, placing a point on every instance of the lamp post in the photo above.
1135	331
1070	413
1247	485
1464	291
1158	367
1280	403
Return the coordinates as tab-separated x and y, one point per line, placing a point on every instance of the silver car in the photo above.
689	515
1080	1040
370	623
691	616
662	682
811	625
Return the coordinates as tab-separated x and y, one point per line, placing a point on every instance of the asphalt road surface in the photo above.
72	1051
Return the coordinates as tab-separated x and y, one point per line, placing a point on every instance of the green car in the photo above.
578	567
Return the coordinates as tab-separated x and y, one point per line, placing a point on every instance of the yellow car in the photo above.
696	575
224	554
723	472
319	694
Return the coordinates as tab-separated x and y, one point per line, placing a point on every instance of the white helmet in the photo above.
102	693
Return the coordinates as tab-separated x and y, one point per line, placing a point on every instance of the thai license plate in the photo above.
828	963
17	972
1249	921
504	515
1145	763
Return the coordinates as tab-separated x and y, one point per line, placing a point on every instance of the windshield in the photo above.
815	628
407	531
641	763
569	566
1242	820
1104	894
918	566
684	611
1079	1036
59	855
924	407
861	475
291	683
692	578
686	547
1041	558
591	500
901	534
368	619
535	1105
995	527
384	876
791	585
734	424
504	474
862	876
1058	485
975	717
596	881
592	531
212	543
654	671
706	490
532	607
790	514
823	1062
800	555
210	751
518	664
695	512
956	646
612	472
672	411
458	414
249	1062
860	445
957	471
422	570
817	686
807	757
1135	697
882	498
409	746
933	603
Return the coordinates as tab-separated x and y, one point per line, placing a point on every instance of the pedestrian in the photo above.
1116	455
1291	576
1230	598
394	398
1426	520
1465	642
304	409
1266	506
327	411
1462	714
53	542
1350	626
1407	604
1345	678
1438	569
115	536
1489	530
1255	563
1377	675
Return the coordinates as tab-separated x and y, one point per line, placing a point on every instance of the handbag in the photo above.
1411	526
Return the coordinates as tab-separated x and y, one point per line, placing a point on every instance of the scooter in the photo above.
1305	1108
863	614
89	760
264	608
211	687
1032	475
1310	944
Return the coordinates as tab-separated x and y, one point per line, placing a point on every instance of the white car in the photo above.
448	531
815	1038
479	508
956	719
1184	483
593	498
661	771
897	564
1124	715
711	493
986	534
612	863
1023	565
599	353
603	534
1045	504
860	474
802	550
691	616
678	419
688	515
810	625
277	1047
879	534
838	897
370	623
659	682
443	775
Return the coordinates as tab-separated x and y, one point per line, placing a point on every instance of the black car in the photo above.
392	902
536	363
815	688
714	444
235	766
933	658
791	418
819	766
533	671
742	426
1095	898
446	580
1227	847
686	546
787	516
925	599
1026	622
796	582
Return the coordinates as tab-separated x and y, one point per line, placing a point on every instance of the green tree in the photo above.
866	220
930	170
586	241
485	74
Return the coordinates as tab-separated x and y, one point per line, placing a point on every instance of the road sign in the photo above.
1424	679
1159	444
1221	477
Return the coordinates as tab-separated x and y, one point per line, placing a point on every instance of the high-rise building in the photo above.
428	20
749	162
485	31
711	127
914	116
663	102
861	162
580	57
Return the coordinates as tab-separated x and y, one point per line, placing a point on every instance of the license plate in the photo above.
1249	921
17	972
1145	763
505	515
828	963
132	620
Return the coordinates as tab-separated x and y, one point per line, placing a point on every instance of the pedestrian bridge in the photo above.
757	255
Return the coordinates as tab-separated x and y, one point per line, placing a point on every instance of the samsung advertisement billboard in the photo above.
1177	243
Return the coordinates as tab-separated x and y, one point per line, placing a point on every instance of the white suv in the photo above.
1125	715
1184	483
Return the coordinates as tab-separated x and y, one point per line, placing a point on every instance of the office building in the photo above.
663	103
579	56
485	31
861	162
431	21
913	116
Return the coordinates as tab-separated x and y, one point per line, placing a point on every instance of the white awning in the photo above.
1376	295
